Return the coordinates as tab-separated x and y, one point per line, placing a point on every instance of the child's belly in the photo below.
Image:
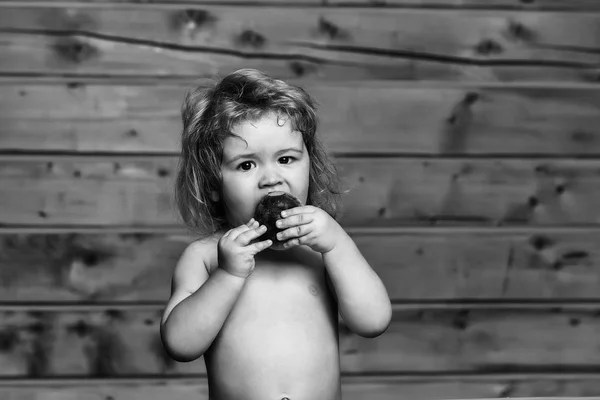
280	340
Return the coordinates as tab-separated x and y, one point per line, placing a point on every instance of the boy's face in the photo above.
274	158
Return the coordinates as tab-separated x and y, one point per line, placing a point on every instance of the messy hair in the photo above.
211	111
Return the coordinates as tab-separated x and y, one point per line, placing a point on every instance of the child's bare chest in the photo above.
283	328
282	302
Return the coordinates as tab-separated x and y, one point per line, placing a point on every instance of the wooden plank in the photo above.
320	43
115	343
477	4
136	191
80	117
138	188
564	5
443	264
27	55
88	268
353	388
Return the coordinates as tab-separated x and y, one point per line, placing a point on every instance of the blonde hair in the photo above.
210	112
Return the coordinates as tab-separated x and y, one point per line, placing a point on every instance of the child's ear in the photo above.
214	196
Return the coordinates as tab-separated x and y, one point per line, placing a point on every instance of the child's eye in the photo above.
286	159
245	166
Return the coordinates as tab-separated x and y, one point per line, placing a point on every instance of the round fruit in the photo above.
268	211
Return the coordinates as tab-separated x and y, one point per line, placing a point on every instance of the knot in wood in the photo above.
114	314
251	38
581	136
195	18
9	338
74	50
87	257
461	320
489	47
301	69
37	328
297	68
470	98
519	31
533	201
540	242
331	30
80	328
328	28
74	85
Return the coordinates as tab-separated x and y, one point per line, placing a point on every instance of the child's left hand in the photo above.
308	225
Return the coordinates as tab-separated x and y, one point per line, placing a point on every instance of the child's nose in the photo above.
270	177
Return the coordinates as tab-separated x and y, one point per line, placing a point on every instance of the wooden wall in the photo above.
467	130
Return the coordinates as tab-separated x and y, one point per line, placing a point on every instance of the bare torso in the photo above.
281	338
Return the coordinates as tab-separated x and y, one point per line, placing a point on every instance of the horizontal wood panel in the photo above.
130	191
114	343
461	4
429	265
330	43
32	56
83	117
540	36
479	4
353	388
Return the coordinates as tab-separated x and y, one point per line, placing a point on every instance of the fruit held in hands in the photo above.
268	211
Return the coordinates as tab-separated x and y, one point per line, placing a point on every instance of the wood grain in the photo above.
113	343
87	118
136	191
477	4
440	120
68	191
459	4
480	311
441	264
353	388
329	43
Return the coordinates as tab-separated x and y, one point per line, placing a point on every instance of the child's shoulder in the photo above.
205	249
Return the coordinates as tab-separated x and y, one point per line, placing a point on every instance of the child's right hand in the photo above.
236	254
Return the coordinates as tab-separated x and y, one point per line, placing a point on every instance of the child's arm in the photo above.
199	304
363	301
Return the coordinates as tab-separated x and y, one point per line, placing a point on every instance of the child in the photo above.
265	320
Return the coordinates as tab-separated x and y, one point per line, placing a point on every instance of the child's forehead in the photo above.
266	132
235	144
269	122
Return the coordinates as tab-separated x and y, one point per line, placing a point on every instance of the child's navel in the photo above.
314	291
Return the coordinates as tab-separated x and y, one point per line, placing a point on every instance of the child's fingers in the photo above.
260	246
295	232
251	223
298	219
246	237
297	210
236	232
